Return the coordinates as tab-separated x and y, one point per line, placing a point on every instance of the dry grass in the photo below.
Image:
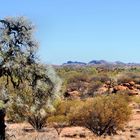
24	131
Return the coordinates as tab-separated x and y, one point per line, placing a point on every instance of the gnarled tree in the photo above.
18	61
35	99
17	49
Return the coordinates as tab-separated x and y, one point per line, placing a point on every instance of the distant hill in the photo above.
74	63
99	63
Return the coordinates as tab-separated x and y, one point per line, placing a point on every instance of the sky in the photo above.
81	30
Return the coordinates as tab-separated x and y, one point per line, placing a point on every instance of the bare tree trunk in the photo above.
2	124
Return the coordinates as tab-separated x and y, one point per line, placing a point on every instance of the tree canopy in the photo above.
20	66
17	48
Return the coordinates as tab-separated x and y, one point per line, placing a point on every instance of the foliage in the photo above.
61	115
2	106
102	115
90	80
126	77
36	104
93	87
17	48
58	119
35	86
136	99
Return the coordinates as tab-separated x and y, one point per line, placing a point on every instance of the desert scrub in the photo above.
103	115
136	99
126	77
58	119
63	110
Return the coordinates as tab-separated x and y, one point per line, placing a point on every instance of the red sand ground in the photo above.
24	131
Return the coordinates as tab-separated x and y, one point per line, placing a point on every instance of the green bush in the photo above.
65	106
102	115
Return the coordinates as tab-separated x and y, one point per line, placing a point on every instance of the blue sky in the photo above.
82	30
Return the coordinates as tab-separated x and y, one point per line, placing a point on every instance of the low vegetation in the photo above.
102	115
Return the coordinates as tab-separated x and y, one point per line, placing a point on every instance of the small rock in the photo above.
132	136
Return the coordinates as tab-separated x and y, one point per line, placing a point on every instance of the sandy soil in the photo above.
24	131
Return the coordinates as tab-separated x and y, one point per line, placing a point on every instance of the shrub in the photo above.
102	115
136	99
127	77
103	78
93	87
58	119
64	107
62	111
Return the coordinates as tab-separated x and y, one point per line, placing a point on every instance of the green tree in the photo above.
17	49
37	97
18	61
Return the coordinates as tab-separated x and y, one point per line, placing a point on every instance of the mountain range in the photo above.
99	62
